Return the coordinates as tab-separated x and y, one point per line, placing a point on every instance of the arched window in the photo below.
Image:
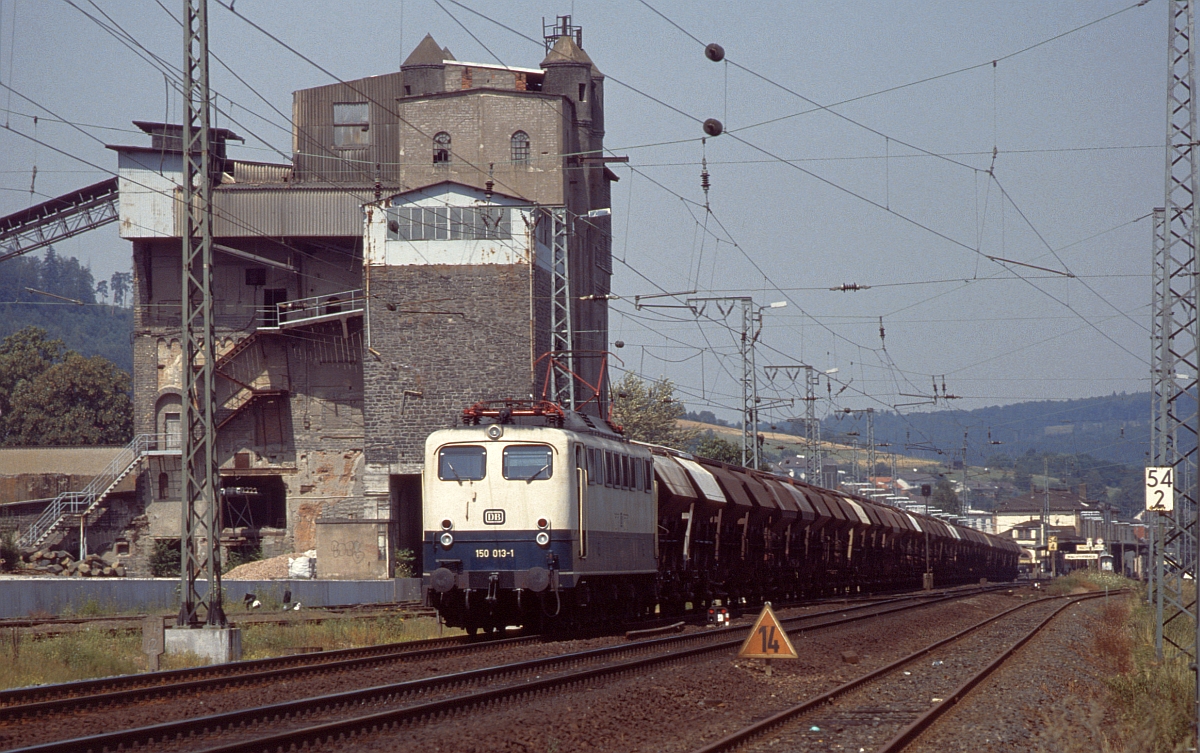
441	148
520	148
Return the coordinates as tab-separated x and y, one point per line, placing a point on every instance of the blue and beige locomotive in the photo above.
533	514
541	517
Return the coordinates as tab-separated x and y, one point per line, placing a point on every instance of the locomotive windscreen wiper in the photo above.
538	472
456	476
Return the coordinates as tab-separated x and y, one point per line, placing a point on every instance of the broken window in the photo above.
351	124
441	148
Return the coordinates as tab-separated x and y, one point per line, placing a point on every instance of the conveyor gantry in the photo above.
59	218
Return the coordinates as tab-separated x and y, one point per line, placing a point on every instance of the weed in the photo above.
164	560
404	563
90	608
10	553
85	654
1112	637
241	556
1152	700
72	656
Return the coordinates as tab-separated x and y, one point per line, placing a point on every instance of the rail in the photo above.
747	734
661	650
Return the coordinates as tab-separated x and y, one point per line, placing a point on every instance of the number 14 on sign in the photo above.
1160	488
767	640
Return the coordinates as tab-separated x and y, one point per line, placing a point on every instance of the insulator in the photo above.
713	127
714	52
704	180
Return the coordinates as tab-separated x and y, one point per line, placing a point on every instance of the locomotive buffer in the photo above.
767	640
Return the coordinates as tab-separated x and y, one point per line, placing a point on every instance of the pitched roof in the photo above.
566	51
426	53
1060	501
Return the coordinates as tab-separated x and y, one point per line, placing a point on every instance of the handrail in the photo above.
74	503
328	305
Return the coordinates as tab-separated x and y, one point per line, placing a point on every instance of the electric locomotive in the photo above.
534	514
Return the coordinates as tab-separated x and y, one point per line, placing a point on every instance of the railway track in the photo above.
43	699
887	709
311	720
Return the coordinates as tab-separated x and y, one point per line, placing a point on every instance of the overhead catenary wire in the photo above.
627	227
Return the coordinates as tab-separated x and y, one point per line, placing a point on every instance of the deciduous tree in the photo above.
945	498
648	412
52	396
718	448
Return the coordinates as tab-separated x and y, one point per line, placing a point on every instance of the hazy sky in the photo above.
888	187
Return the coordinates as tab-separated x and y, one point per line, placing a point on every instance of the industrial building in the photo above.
435	241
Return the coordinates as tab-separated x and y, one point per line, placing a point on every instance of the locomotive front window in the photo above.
531	462
462	463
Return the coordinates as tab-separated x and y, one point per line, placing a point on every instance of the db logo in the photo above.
493	517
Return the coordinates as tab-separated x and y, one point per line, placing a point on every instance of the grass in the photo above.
1143	705
262	641
93	652
26	659
1152	700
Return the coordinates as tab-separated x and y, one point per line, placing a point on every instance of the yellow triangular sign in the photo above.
767	639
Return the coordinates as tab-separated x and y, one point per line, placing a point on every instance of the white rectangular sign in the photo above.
1160	489
1079	556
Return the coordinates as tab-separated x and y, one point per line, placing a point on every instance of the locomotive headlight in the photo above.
495	431
542	538
446	539
447	525
543	524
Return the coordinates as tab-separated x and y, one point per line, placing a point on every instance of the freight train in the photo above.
537	516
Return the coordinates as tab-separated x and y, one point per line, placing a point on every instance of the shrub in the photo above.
164	560
404	563
10	553
241	556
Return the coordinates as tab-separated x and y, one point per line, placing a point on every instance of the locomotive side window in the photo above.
626	476
610	478
639	474
462	463
595	467
649	475
528	462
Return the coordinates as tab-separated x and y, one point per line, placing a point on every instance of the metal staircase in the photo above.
75	504
304	312
255	367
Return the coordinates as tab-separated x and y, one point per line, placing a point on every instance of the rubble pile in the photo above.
58	562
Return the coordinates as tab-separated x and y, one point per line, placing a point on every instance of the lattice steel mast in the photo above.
562	338
200	532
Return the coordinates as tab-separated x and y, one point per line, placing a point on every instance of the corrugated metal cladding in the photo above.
312	112
290	211
259	172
